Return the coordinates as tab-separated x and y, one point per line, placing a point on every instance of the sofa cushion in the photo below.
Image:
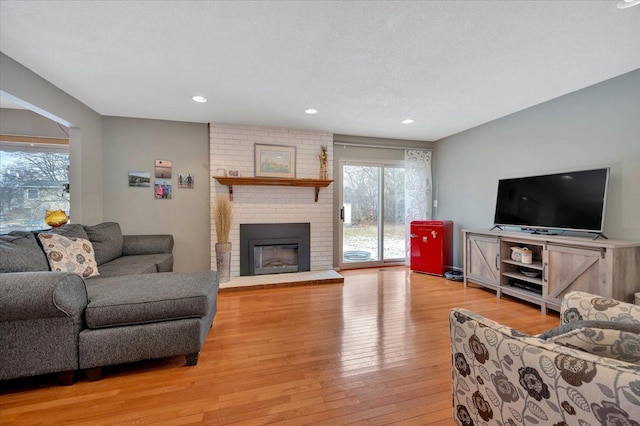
148	298
133	245
70	230
608	339
20	252
131	265
107	241
69	254
118	269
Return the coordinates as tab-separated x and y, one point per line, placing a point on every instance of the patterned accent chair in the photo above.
585	372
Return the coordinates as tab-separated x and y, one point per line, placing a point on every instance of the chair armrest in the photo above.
36	295
133	245
578	305
499	374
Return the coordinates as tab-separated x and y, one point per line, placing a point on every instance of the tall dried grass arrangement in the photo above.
222	216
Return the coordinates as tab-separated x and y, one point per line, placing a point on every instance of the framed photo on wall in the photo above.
277	161
140	179
163	169
186	180
162	189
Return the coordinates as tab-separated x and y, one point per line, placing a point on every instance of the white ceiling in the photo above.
449	65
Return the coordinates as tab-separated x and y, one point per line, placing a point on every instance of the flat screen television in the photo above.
573	201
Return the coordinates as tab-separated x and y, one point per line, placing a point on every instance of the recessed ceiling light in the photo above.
407	121
311	111
200	99
623	4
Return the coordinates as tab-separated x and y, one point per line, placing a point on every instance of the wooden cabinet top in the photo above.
586	241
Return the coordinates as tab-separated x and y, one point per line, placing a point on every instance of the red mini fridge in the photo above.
431	246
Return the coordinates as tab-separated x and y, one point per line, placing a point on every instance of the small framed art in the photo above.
162	189
140	179
185	180
163	169
278	161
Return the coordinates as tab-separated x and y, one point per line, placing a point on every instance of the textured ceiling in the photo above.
449	65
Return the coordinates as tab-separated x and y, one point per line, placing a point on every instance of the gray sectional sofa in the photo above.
136	308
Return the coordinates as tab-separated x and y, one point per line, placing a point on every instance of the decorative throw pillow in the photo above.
69	254
607	339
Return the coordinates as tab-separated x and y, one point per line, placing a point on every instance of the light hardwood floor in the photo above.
374	351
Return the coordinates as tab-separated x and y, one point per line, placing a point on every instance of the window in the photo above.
33	194
32	178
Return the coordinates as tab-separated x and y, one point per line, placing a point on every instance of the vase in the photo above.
323	172
223	261
55	218
517	252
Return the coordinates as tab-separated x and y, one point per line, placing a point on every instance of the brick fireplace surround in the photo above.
232	147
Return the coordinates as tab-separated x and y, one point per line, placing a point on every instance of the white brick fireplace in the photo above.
232	148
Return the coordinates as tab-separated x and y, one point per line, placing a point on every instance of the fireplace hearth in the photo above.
274	248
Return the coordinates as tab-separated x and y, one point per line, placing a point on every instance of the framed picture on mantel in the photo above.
277	161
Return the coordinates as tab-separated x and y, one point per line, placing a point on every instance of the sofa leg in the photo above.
66	378
192	359
94	374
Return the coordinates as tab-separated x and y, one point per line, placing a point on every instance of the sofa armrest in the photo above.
36	295
578	305
502	376
134	245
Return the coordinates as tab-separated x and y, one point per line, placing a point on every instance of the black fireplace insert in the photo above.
274	248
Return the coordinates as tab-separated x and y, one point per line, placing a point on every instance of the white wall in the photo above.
133	145
232	147
595	127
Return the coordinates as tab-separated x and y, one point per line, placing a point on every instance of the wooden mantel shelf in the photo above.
230	181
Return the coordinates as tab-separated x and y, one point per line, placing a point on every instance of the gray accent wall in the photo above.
132	144
104	150
27	123
598	126
85	133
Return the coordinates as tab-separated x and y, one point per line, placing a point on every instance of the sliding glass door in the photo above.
372	214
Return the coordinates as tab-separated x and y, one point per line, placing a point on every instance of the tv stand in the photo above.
608	268
600	235
497	227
